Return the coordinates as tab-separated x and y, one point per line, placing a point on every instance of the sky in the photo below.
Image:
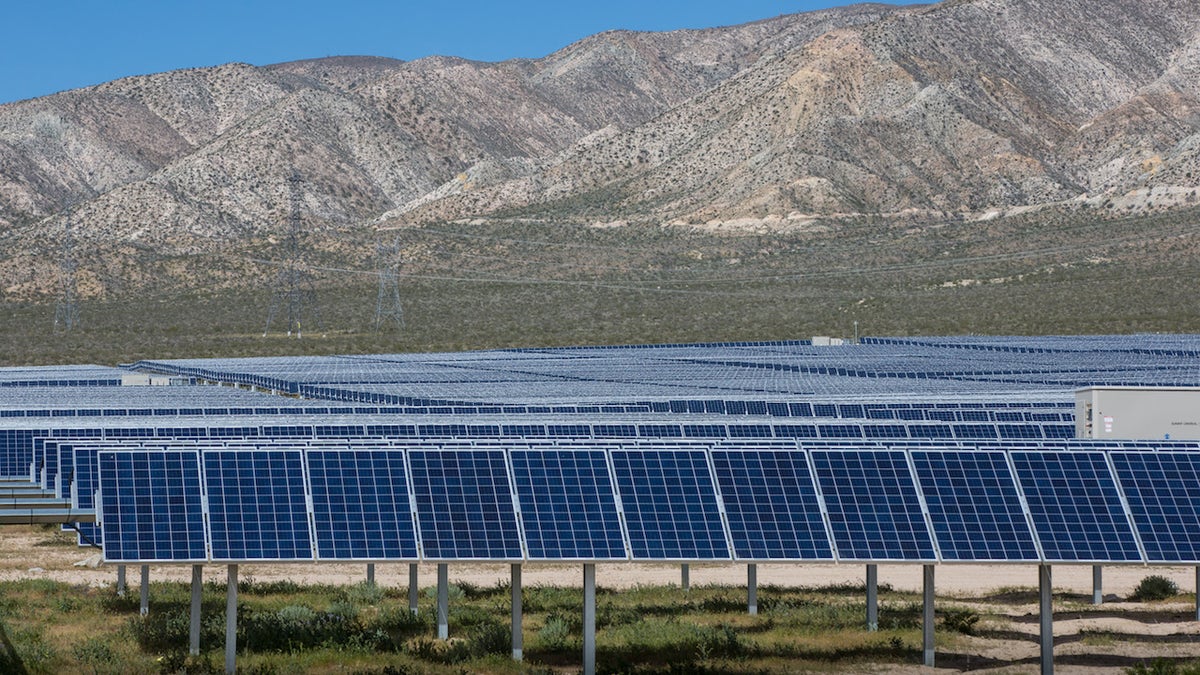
55	45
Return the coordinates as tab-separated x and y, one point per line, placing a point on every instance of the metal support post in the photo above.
752	588
370	574
1046	608
413	592
1097	585
518	641
1198	592
231	594
589	620
145	590
194	626
685	577
872	597
927	616
443	602
121	581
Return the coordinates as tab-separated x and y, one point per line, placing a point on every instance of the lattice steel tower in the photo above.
295	293
66	310
388	309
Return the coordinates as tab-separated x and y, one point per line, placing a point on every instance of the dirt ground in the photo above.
1087	639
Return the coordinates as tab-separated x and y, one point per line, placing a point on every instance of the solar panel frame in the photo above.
1164	503
451	504
240	497
864	529
577	484
678	484
752	480
343	534
83	494
1076	508
982	486
152	504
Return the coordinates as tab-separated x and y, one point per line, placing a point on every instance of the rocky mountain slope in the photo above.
966	107
205	151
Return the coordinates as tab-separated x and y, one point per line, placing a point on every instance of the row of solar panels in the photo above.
494	378
1157	345
1002	411
17	447
747	370
66	466
678	502
66	382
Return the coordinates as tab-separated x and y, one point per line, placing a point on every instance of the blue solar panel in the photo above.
66	470
361	507
257	507
464	505
568	506
151	506
873	507
670	505
83	493
1076	509
771	505
1163	492
974	506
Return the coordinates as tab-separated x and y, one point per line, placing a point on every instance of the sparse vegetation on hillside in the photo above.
530	284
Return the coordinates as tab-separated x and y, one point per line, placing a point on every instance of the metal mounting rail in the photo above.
45	516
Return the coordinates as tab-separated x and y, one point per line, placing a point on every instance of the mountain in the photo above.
963	106
968	109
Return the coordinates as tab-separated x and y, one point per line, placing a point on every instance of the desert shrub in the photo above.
489	638
182	663
1164	667
165	630
554	634
96	654
1155	587
960	620
296	627
363	594
482	640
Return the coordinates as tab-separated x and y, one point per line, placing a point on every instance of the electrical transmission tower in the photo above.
295	293
66	310
387	307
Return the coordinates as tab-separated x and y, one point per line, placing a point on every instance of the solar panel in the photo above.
974	506
873	506
1163	492
670	505
66	470
83	493
151	506
256	504
771	505
464	505
568	506
1076	509
361	505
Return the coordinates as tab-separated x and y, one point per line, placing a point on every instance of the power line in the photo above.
388	309
295	292
66	310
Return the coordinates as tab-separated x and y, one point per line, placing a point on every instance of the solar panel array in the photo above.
21	450
763	372
666	501
913	449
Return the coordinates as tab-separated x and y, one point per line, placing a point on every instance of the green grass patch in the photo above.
287	628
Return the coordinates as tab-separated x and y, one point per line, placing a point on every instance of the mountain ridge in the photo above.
961	109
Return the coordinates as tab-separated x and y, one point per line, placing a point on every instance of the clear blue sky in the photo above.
53	45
